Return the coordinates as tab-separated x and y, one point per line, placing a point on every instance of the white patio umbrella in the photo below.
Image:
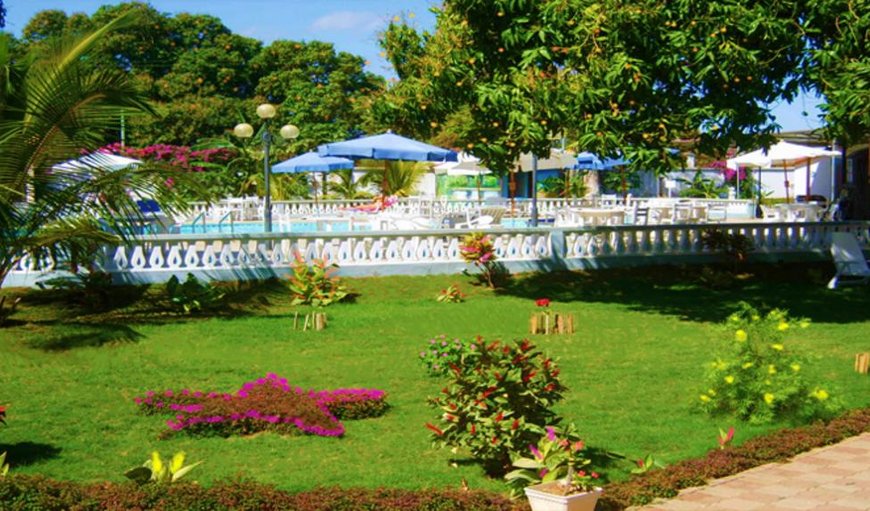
468	165
782	154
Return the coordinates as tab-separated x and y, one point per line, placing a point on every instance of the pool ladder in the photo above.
227	216
196	219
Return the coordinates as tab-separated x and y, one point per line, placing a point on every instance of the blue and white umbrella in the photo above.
387	146
312	162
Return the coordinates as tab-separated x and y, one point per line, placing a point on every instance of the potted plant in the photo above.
557	477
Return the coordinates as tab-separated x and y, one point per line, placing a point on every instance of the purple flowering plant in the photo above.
265	404
440	352
558	456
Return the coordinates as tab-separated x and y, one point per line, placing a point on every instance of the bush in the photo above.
497	400
40	493
315	285
192	295
266	404
440	354
734	245
761	378
477	249
90	290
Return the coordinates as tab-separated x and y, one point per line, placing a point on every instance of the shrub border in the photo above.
777	446
642	489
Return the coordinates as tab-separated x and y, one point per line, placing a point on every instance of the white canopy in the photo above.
782	154
106	161
468	165
559	159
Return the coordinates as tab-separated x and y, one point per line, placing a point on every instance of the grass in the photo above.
633	368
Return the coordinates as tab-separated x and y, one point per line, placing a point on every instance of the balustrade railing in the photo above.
251	208
154	258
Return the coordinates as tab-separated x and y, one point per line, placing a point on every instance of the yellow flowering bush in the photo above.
758	376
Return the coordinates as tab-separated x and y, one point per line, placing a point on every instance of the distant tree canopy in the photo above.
632	77
203	79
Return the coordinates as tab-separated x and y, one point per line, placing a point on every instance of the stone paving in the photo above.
832	478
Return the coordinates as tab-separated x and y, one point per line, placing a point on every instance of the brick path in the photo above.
833	478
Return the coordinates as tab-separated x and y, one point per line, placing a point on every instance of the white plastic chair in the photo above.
849	260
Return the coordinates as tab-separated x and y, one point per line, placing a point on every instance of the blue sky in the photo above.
352	25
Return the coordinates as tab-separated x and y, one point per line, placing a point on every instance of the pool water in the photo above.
300	226
257	227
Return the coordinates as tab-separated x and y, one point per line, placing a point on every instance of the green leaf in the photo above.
141	475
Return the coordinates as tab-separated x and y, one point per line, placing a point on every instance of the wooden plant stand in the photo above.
311	320
862	363
552	323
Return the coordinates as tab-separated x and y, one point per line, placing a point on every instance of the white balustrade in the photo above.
222	256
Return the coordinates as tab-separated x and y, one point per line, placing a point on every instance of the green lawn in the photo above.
633	369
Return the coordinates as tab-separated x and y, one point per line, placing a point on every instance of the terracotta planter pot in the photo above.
543	500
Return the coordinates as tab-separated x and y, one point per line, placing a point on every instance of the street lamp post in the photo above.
288	132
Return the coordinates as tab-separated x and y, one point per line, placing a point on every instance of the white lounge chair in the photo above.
849	260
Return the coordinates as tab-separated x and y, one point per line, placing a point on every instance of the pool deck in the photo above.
832	478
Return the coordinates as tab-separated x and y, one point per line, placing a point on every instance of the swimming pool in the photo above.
300	227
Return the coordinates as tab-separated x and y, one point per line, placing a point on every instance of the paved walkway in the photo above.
833	478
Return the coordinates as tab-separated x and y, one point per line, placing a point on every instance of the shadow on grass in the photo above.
683	291
81	335
28	453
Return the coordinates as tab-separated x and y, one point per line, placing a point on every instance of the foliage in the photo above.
557	456
450	294
90	289
4	467
264	404
54	107
701	187
620	181
393	178
725	437
441	354
29	492
573	184
496	401
733	244
156	471
315	284
210	167
839	67
748	186
477	249
645	464
201	75
607	76
774	447
759	377
192	295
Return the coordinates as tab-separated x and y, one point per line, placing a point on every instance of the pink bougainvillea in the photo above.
182	157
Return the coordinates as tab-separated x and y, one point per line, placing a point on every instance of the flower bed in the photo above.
268	403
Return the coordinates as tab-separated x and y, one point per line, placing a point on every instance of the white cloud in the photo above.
347	20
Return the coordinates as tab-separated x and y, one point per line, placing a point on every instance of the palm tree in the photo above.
395	177
55	106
